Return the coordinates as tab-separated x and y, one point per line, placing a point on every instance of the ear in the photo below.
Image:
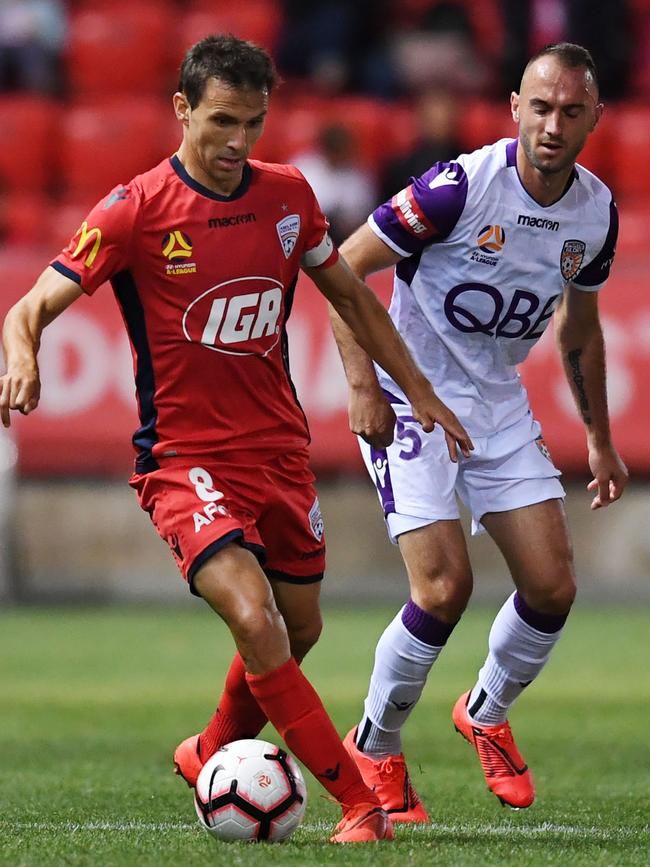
514	106
598	113
181	107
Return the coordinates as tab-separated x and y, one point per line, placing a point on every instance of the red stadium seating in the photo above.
27	134
108	143
259	21
65	217
598	152
290	128
24	219
379	129
483	122
633	232
121	48
631	159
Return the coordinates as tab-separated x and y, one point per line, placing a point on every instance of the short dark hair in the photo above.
570	55
231	60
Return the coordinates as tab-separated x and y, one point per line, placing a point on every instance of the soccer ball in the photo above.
250	790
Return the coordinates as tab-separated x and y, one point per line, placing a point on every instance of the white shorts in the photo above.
417	483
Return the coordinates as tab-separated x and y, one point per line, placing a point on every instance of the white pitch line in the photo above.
506	831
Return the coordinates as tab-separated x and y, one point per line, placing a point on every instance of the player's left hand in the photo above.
429	411
610	475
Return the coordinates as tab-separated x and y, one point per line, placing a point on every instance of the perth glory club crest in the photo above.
288	231
571	257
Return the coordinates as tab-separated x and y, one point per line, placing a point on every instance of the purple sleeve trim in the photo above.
547	623
427	210
597	271
424	626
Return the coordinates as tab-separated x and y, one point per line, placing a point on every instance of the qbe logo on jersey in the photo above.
237	317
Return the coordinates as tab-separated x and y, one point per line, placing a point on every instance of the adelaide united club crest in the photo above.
288	232
571	257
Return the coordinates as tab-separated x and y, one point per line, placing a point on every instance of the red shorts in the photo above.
200	505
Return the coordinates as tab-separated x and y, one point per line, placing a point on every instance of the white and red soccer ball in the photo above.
250	790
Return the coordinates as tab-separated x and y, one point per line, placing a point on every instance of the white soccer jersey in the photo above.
485	266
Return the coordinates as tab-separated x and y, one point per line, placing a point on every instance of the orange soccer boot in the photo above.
506	773
389	779
187	761
363	823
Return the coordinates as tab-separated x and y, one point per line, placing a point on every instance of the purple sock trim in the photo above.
426	628
542	622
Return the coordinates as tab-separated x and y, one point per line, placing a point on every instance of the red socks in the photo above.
238	715
296	711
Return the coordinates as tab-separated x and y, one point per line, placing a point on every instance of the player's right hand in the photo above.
371	416
19	391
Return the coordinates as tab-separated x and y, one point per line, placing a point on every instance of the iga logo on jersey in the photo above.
573	252
288	231
238	317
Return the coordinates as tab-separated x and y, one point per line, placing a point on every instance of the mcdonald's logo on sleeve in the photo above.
89	242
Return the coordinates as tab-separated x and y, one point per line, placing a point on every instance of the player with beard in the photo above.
487	248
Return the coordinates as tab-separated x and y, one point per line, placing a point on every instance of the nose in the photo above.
238	139
554	123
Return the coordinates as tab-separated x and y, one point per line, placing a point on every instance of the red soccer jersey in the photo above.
205	285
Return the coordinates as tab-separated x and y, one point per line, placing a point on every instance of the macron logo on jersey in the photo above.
410	214
538	222
453	176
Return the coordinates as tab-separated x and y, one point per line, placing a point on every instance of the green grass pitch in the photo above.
92	704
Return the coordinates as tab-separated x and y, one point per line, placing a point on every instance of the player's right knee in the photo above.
256	626
444	595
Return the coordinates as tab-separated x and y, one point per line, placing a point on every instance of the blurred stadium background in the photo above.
85	104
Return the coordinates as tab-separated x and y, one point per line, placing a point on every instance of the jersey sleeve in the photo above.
594	274
101	246
318	250
424	212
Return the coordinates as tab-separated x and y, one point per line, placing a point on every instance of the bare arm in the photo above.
579	337
371	415
21	338
369	328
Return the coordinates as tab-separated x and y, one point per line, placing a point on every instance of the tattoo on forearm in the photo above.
579	382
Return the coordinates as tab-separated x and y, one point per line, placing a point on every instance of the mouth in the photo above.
551	148
230	163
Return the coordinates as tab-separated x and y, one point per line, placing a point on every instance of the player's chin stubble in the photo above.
542	166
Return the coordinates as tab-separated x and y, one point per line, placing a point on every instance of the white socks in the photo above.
404	655
520	643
